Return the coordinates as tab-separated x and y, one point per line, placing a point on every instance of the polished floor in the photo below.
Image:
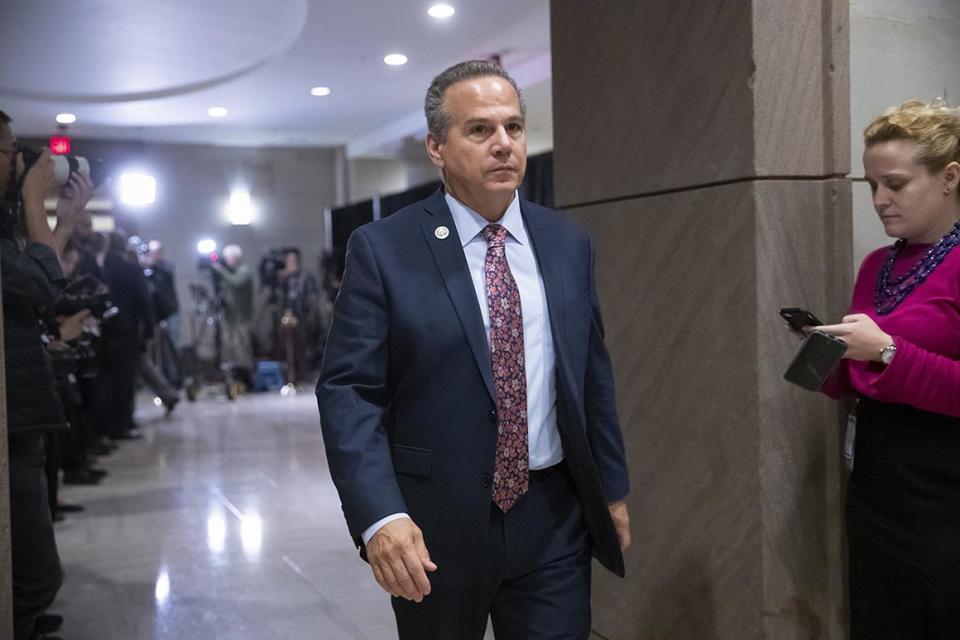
222	522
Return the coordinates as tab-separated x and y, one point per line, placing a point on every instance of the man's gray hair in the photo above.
438	120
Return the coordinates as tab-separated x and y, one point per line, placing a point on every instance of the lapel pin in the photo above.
441	233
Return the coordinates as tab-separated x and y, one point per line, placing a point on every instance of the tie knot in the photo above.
495	234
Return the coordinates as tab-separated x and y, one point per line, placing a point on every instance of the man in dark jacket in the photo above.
31	279
128	331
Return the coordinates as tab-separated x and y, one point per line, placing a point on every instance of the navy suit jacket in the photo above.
406	395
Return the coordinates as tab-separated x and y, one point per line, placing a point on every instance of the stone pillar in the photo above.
6	582
705	146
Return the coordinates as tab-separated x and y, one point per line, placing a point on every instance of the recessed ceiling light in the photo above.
66	118
395	59
441	11
320	91
217	112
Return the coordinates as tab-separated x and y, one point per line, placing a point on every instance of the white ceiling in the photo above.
133	69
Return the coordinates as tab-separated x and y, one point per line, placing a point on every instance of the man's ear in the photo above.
433	150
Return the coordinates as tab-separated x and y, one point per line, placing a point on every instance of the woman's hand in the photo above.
864	338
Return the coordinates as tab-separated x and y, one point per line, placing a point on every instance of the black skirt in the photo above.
903	524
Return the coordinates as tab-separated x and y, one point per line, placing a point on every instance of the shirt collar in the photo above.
469	223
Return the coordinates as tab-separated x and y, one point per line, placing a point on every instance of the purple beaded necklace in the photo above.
890	293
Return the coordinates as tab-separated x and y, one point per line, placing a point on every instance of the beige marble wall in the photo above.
704	146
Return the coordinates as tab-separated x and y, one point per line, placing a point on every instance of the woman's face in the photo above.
912	202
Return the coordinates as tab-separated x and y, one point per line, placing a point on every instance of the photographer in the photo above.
163	292
31	279
237	291
127	334
298	305
74	329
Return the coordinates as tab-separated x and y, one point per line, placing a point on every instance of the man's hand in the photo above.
40	180
38	183
74	198
621	522
400	560
71	327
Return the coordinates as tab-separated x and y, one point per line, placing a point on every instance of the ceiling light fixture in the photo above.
217	112
320	91
441	11
395	59
66	118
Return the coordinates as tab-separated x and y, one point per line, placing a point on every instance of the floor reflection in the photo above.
220	523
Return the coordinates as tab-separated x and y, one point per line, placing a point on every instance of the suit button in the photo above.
486	480
493	416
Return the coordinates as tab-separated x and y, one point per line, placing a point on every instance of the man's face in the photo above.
8	154
485	153
292	262
69	261
83	228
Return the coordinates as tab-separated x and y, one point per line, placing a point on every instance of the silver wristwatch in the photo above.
887	353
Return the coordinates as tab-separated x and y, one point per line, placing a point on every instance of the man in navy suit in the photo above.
466	396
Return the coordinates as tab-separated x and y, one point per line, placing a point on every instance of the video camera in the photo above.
272	262
78	358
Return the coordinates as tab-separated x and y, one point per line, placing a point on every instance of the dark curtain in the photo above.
343	221
538	182
396	201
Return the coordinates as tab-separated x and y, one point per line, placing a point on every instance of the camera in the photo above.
86	292
272	262
205	262
65	166
79	358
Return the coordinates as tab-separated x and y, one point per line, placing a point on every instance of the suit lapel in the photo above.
550	266
448	254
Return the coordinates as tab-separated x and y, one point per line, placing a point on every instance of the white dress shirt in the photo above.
545	449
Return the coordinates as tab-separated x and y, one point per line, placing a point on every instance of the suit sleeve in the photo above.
352	393
603	426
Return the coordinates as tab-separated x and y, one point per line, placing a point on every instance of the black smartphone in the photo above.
816	359
799	318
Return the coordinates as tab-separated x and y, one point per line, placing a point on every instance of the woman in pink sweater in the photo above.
903	363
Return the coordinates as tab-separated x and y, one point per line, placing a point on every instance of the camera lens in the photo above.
65	166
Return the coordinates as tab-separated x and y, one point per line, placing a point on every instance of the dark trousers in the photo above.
36	564
53	456
124	365
535	583
73	443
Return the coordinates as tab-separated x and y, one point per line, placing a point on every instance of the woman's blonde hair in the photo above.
933	127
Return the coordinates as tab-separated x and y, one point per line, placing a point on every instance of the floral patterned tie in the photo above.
511	474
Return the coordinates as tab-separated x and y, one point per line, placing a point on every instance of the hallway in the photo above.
222	522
